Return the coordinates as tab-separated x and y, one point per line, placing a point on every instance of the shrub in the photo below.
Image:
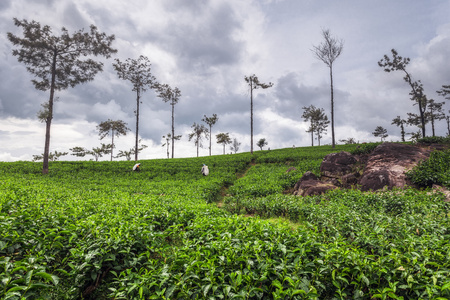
435	170
364	148
434	140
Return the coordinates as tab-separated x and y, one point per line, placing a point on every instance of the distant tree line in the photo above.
60	62
430	111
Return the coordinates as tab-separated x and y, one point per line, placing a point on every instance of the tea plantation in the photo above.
97	230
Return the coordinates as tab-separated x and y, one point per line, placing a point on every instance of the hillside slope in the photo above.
96	230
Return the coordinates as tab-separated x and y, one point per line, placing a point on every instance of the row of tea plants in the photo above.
96	230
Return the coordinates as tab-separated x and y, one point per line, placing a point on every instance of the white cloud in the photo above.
206	47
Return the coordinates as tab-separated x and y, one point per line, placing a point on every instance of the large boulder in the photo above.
335	165
310	185
387	164
385	168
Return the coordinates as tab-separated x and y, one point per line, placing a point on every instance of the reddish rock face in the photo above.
387	165
384	168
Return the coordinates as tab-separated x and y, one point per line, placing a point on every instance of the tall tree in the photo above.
447	118
261	143
400	123
224	139
197	134
321	123
59	61
318	122
445	92
307	115
399	63
253	83
210	121
380	132
139	73
173	96
435	113
328	51
168	138
235	145
115	128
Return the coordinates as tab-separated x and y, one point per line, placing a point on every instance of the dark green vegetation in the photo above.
96	230
436	170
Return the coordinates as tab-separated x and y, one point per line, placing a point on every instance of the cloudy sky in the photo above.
206	47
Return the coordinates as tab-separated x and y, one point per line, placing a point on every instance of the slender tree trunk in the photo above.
403	132
224	148
48	121
173	128
251	115
210	136
112	143
448	125
422	117
333	143
197	148
418	99
432	125
136	146
167	148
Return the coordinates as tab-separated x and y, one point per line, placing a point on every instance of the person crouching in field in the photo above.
137	167
205	170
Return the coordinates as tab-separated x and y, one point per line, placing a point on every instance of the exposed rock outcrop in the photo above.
387	165
385	168
309	185
335	165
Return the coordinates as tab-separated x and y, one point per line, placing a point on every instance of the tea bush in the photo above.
96	230
435	170
434	140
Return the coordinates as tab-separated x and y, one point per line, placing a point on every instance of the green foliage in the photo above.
428	140
435	170
364	148
97	230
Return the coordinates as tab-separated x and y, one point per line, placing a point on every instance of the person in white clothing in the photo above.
137	167
205	170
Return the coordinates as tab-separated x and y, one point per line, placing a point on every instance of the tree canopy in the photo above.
380	132
398	63
210	121
328	51
198	131
58	62
171	95
224	139
138	72
261	143
254	83
113	128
